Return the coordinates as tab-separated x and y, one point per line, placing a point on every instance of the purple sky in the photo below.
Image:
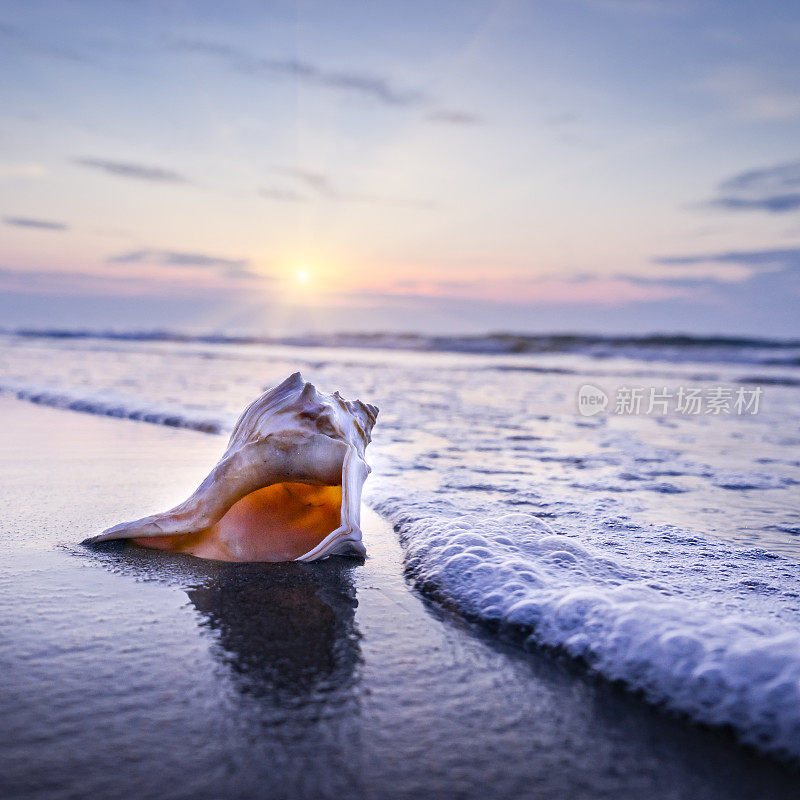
593	165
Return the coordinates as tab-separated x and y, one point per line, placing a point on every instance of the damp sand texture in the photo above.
155	675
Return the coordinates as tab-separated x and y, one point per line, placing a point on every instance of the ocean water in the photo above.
661	549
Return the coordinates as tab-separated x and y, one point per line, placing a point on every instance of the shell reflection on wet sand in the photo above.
287	488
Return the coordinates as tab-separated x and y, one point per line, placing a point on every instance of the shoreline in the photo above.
129	667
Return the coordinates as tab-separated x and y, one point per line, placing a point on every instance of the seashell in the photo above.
287	488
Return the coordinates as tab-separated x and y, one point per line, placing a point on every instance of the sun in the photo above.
304	279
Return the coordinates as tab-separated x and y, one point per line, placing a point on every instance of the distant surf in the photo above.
663	347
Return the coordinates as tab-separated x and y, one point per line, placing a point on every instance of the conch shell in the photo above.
288	487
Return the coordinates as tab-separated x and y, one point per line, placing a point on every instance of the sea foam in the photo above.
699	626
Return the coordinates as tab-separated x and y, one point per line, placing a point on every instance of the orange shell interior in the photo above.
277	523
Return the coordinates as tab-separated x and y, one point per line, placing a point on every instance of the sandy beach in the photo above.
127	670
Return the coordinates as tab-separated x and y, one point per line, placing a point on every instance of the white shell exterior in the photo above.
291	433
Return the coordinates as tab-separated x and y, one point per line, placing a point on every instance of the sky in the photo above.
608	166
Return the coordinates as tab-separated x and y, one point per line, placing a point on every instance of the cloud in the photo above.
126	169
231	267
365	84
318	185
172	285
784	176
536	290
454	117
774	204
39	224
176	258
315	181
788	257
377	88
737	265
774	189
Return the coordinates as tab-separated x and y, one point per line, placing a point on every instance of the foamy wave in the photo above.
114	404
721	646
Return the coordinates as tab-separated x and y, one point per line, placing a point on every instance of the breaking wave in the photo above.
701	627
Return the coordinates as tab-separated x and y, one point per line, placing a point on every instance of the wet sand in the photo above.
134	672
